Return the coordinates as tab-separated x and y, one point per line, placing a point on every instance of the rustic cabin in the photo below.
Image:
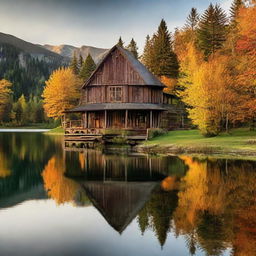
121	95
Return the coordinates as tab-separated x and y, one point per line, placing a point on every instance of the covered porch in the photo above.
98	122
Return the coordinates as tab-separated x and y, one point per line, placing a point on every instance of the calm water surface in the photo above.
105	202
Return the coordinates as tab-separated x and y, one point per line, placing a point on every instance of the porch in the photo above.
113	122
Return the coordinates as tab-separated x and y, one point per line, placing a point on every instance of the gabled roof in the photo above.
145	74
119	203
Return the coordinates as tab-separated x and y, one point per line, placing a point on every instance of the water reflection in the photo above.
209	203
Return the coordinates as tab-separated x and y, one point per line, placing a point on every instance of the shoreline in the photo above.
196	151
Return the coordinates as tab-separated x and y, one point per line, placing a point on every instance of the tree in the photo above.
210	95
163	61
87	68
21	110
74	65
192	20
132	47
147	53
234	10
81	61
61	92
246	67
5	99
120	42
212	30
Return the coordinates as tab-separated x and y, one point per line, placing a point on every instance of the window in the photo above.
115	93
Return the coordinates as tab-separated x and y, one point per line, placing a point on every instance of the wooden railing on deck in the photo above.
73	124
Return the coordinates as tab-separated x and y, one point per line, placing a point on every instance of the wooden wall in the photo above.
130	94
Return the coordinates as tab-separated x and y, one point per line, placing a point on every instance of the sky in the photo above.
96	23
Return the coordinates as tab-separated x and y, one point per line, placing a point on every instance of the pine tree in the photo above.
132	47
236	5
147	52
192	19
74	65
212	30
163	60
81	61
120	42
87	68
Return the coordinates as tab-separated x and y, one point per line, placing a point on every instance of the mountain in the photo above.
68	51
34	50
27	65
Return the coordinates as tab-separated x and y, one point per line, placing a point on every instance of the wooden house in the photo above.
120	95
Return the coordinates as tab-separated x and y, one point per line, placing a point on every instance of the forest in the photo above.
209	64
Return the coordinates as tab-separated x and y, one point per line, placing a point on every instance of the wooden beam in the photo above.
126	118
151	119
106	116
85	119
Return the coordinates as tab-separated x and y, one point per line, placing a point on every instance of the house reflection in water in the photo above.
118	186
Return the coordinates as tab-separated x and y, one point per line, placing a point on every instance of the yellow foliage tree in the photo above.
208	92
59	188
5	93
62	92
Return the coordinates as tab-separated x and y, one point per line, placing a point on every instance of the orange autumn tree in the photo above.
62	92
246	69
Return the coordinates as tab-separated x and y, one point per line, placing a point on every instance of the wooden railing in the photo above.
73	124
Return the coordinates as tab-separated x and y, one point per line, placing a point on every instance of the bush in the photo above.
155	132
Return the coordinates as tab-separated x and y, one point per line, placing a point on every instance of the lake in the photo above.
60	201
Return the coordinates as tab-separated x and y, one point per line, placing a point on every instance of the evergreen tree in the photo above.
236	5
81	61
212	30
120	42
163	60
132	47
74	65
192	19
146	52
87	68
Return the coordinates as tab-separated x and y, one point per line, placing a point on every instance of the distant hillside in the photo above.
32	49
68	51
27	65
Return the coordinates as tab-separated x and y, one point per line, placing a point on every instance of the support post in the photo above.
151	119
85	119
126	119
106	116
159	117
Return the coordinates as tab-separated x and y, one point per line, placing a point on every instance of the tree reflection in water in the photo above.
209	202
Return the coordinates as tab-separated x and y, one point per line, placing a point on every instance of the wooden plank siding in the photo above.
116	70
130	93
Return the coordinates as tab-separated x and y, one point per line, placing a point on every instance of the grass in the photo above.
237	141
56	131
31	126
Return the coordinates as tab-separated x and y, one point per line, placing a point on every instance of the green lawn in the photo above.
56	131
238	139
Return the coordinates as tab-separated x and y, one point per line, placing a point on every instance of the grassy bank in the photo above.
56	131
29	126
238	142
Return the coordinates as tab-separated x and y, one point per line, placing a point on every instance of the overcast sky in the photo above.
93	22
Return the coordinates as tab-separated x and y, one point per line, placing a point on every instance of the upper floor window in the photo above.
115	93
